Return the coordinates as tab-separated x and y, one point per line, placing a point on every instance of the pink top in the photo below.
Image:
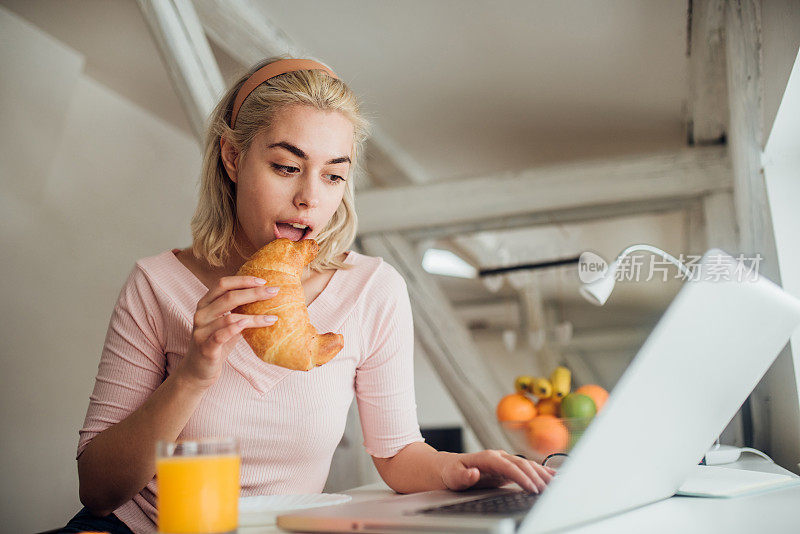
288	422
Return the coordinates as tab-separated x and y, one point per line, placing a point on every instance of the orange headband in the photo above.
266	72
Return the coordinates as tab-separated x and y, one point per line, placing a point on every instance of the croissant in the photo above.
291	342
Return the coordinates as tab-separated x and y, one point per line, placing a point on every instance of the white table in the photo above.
772	512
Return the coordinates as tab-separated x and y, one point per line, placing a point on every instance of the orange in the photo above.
515	409
596	393
548	407
546	434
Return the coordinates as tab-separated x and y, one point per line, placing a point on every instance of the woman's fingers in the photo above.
212	341
224	328
229	300
499	462
539	477
225	284
514	472
498	466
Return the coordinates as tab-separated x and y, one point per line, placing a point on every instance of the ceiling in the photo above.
467	88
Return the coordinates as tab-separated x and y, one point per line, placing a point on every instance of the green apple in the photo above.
578	405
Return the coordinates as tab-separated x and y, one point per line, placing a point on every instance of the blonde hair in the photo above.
215	218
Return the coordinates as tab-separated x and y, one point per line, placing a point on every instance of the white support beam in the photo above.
546	192
720	221
450	348
708	92
498	314
188	57
608	339
743	39
588	340
695	236
240	29
711	223
771	407
713	219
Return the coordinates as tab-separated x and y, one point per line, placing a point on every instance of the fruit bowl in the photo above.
543	417
543	435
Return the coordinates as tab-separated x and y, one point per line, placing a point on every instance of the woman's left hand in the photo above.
493	468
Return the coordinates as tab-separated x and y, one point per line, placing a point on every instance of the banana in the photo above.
523	384
561	380
542	388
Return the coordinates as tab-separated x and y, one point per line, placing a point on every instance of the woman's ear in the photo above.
230	158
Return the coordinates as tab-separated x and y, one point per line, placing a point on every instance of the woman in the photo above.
283	146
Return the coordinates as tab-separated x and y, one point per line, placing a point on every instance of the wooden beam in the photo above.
188	57
556	217
708	91
492	314
765	408
746	135
546	192
241	30
448	344
589	340
712	219
721	228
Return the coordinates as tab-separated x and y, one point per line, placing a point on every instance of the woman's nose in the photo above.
307	195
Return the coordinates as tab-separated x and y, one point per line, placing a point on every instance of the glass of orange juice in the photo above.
198	486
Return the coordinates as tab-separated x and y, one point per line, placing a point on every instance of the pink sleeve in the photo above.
385	379
132	362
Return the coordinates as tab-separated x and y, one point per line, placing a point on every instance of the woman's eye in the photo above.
284	168
287	170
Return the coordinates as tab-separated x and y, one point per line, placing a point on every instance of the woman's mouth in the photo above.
293	232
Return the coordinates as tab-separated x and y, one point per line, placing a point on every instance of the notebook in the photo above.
718	481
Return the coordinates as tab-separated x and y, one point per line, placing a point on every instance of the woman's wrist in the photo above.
188	382
445	463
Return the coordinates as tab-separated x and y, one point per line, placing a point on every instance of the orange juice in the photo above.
198	494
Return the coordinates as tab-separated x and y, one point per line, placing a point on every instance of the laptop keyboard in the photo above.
507	503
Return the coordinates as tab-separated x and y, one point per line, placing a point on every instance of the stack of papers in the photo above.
716	481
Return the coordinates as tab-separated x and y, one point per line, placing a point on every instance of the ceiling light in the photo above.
444	262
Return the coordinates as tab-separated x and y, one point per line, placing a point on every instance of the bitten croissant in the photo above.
291	342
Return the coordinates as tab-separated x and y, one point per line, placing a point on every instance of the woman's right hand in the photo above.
214	334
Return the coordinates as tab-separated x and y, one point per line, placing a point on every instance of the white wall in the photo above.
90	183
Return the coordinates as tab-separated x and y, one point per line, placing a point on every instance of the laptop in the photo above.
706	354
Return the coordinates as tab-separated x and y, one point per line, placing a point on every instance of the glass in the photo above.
198	486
